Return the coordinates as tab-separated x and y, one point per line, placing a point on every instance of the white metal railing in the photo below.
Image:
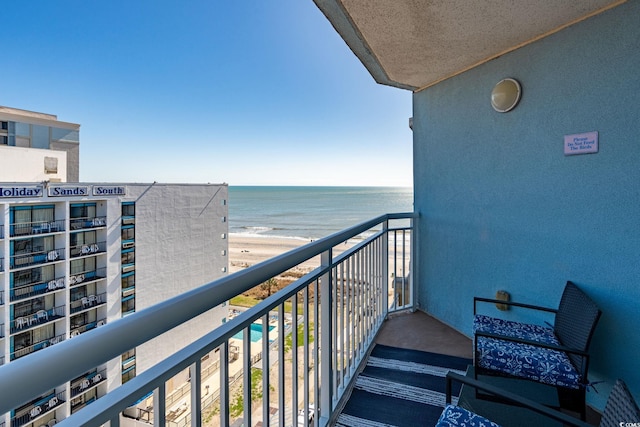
314	334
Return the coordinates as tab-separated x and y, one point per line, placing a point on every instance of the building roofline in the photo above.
34	117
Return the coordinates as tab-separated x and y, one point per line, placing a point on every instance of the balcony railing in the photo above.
319	327
81	329
87	276
38	227
19	291
39	256
47	342
85	303
39	408
87	223
87	382
88	249
25	321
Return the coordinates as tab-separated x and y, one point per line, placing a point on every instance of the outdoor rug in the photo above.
400	387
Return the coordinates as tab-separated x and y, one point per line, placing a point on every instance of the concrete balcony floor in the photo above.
419	331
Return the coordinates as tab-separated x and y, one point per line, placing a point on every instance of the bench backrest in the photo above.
575	322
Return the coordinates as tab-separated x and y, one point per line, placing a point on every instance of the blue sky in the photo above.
244	92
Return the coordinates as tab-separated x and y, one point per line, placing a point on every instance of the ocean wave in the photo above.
256	229
269	236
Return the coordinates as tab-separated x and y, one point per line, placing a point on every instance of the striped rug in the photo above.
399	388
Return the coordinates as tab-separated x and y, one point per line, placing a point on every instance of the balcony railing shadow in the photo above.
318	329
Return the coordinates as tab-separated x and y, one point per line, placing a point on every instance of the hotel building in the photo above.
75	256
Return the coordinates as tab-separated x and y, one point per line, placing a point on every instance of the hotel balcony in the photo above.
87	381
82	326
87	302
26	320
87	223
39	411
39	256
88	276
86	249
29	288
21	350
36	228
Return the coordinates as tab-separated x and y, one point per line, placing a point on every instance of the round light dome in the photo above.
505	95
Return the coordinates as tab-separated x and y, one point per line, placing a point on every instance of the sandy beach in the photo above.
246	251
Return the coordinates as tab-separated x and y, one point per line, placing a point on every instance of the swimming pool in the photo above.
255	334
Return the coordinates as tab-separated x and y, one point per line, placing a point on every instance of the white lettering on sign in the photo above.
581	143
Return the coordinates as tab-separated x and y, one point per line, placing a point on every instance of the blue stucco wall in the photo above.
502	207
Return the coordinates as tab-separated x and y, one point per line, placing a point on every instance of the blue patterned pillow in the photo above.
455	416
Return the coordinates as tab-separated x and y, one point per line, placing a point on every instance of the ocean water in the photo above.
309	213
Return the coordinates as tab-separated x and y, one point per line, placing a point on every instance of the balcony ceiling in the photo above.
413	44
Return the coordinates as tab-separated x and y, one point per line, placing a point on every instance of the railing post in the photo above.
196	393
412	264
246	375
326	340
159	406
224	384
385	267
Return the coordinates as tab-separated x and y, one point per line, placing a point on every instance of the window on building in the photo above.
34	245
82	210
33	276
22	217
128	365
128	305
4	140
128	209
82	238
128	233
4	125
82	265
128	257
128	280
40	136
83	400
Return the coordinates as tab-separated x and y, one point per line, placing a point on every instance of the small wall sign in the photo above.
581	143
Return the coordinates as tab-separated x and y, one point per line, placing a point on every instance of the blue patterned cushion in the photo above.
455	416
522	360
509	328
